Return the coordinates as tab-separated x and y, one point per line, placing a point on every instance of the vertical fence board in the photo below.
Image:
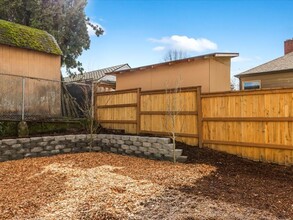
112	111
156	115
199	116
150	112
257	125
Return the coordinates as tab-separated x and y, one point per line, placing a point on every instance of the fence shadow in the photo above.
240	181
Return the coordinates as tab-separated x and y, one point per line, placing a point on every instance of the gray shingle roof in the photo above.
280	64
97	74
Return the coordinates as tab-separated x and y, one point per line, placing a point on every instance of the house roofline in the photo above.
78	77
168	63
262	73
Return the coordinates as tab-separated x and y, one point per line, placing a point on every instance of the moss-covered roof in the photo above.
17	35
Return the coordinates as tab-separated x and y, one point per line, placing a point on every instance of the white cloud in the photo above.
91	31
159	48
184	43
241	59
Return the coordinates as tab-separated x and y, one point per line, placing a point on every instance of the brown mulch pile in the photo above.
211	185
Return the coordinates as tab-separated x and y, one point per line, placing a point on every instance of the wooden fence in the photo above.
146	112
118	110
252	124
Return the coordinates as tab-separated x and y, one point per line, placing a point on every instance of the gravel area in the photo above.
107	186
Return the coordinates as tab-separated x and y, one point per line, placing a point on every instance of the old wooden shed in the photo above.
30	80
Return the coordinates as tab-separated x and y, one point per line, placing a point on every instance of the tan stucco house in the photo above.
211	71
277	73
33	57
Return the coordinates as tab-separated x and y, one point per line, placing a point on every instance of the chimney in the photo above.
288	46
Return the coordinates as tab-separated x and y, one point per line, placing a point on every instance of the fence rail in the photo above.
257	125
145	112
118	110
252	124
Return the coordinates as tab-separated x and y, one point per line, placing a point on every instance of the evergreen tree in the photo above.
64	19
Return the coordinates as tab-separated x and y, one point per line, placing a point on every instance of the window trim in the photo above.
248	81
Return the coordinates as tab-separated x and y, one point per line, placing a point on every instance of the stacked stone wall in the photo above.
150	147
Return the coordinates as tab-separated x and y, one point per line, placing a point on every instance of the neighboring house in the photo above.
104	82
34	55
81	93
211	71
277	73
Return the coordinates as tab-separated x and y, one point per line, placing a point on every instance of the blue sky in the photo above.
139	32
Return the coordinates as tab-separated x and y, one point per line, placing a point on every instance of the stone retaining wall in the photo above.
150	147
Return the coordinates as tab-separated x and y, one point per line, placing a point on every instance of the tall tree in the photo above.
174	55
64	19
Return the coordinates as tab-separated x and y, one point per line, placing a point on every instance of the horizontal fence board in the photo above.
247	92
169	134
116	92
167	91
246	144
164	113
119	121
249	119
118	105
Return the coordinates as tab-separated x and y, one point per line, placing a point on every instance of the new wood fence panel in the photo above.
156	114
257	125
117	110
116	98
124	113
147	112
186	101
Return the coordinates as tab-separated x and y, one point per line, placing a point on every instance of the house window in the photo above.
251	85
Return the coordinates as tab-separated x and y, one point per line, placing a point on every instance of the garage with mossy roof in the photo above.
21	36
30	67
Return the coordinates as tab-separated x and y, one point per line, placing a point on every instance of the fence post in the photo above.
199	116
22	106
92	101
138	111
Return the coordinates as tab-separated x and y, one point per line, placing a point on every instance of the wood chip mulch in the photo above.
109	186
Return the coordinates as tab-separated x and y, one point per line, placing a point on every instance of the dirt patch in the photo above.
108	186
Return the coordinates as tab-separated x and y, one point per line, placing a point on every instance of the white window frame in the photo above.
249	81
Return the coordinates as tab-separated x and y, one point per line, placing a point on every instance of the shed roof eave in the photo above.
168	63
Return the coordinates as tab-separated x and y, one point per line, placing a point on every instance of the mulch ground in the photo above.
211	185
